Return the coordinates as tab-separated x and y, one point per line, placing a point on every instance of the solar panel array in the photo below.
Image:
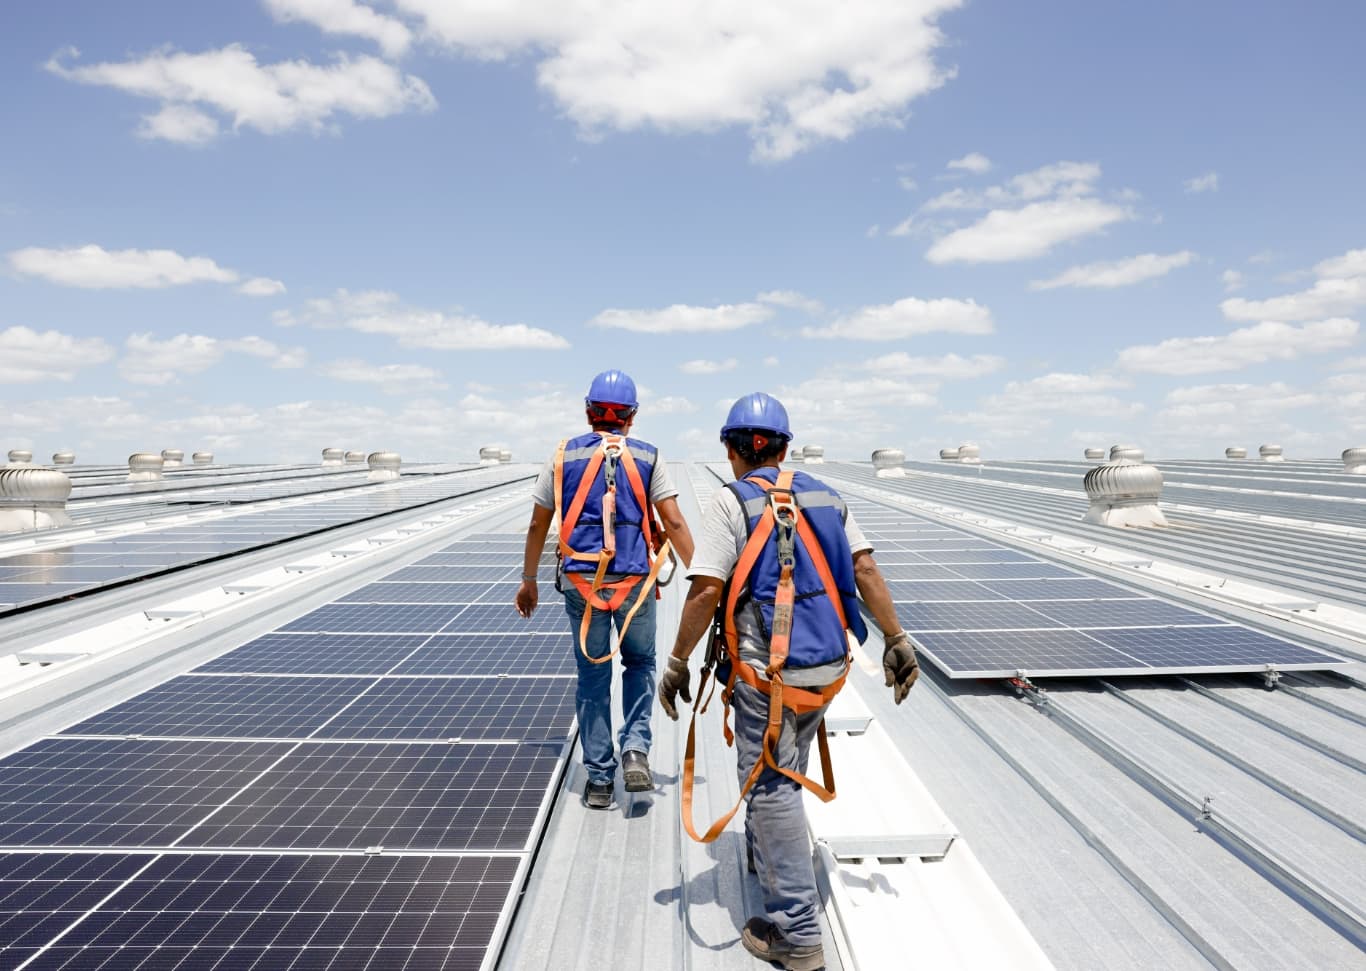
362	787
31	579
979	609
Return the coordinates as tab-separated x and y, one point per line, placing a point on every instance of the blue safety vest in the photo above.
817	636
586	535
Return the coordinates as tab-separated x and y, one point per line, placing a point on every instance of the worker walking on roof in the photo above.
786	554
606	487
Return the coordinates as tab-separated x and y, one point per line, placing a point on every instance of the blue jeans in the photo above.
775	821
593	699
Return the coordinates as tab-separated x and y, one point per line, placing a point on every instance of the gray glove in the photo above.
899	665
674	683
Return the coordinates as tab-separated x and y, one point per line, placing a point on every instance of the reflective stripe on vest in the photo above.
632	553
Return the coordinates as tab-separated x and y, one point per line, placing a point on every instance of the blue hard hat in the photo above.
614	387
759	412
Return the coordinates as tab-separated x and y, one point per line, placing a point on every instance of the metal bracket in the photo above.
1271	676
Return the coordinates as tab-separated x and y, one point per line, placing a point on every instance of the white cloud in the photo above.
161	362
792	300
381	312
346	17
685	319
94	267
908	317
1058	178
771	361
1117	273
1025	407
902	228
389	378
1340	289
708	367
947	367
1232	280
668	405
1209	182
261	286
851	414
270	98
27	355
794	72
1227	410
1266	341
974	162
1003	235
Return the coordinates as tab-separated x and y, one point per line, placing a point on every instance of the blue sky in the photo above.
269	227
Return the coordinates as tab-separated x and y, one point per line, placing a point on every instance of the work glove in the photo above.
899	665
674	683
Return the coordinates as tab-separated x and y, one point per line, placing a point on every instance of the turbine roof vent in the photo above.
202	458
1124	494
505	455
814	454
1126	455
64	457
1235	452
970	453
949	454
355	458
490	455
888	462
1095	454
1354	460
1272	453
173	457
384	466
334	456
32	497
20	456
145	466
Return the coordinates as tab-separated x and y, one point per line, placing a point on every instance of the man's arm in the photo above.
676	528
899	665
527	594
698	611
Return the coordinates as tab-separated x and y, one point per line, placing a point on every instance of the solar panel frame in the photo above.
352	618
453	655
305	653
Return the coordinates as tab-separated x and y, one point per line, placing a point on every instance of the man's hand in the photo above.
674	683
527	598
899	665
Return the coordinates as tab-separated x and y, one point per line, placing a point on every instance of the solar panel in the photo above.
449	593
489	654
371	618
1146	612
1213	647
468	708
503	619
452	573
317	654
269	911
120	792
415	796
1059	588
227	706
988	615
42	893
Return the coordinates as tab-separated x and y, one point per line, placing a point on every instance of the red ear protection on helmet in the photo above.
760	443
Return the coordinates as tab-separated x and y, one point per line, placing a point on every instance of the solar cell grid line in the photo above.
520	708
227	706
353	654
1213	647
415	796
451	573
504	619
41	894
450	655
1065	588
456	592
999	615
1000	654
1150	612
269	912
120	792
347	618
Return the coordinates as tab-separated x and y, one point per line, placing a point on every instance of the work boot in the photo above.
635	769
764	941
598	795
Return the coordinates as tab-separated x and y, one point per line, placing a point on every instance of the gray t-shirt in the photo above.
660	486
725	531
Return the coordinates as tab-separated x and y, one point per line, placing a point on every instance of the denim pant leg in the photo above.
593	697
637	674
776	818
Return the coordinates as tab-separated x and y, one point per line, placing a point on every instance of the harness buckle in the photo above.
784	506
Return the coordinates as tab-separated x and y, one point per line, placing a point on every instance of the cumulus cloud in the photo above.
1117	273
28	355
389	378
708	367
1058	178
96	268
261	286
270	98
1234	403
1027	407
792	300
795	73
947	367
1266	341
1005	235
346	17
150	361
1339	289
974	162
852	415
684	319
902	228
1209	182
1232	280
908	317
382	312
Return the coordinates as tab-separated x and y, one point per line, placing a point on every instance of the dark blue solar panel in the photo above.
482	591
941	590
1080	588
1011	571
1187	647
470	708
1122	613
120	792
1002	653
452	573
288	913
227	706
981	615
41	894
317	654
374	618
491	654
504	619
419	796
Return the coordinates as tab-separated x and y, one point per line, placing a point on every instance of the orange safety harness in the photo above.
781	519
612	451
